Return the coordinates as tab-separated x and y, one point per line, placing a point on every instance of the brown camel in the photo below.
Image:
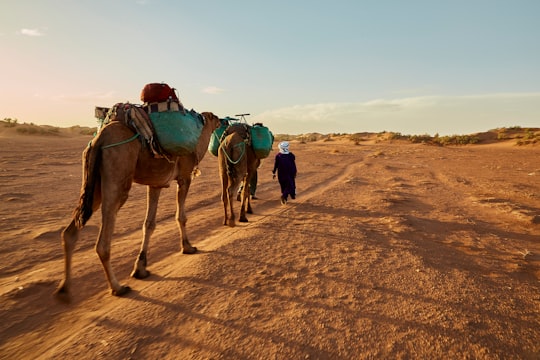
237	164
111	163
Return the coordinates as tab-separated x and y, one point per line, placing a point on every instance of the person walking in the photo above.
285	166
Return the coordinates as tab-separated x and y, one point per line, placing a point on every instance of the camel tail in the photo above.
229	166
231	171
91	163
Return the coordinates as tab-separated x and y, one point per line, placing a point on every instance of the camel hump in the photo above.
242	129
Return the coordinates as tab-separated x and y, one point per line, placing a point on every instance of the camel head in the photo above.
211	123
211	120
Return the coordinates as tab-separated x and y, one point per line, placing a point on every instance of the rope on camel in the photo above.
241	155
121	142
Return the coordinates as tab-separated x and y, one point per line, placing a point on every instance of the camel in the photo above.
111	164
237	164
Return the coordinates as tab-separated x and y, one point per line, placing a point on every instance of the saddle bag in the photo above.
215	140
261	140
177	132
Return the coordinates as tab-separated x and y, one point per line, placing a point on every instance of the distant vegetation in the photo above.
433	140
521	136
33	129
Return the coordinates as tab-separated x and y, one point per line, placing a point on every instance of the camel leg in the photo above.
103	249
231	191
249	210
224	198
181	219
245	201
70	235
139	270
112	201
252	176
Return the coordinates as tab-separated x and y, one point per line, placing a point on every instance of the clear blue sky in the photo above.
411	66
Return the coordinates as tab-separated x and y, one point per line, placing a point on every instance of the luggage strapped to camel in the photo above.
260	137
217	135
261	140
162	121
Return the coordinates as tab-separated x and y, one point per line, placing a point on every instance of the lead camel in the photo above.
110	167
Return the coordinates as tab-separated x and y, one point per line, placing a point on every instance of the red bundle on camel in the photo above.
158	92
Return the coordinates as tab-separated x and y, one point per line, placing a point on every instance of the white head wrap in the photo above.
284	147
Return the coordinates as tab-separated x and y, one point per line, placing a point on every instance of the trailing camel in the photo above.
237	164
111	164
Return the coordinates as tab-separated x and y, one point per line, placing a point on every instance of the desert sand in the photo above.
392	250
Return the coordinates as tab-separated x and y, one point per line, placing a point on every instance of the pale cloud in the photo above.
212	90
445	115
31	32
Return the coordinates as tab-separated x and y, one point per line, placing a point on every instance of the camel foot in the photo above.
249	211
62	288
244	220
191	250
140	274
62	294
122	291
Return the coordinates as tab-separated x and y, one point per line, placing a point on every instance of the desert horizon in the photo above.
397	246
523	135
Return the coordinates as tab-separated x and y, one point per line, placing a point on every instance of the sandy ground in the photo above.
391	250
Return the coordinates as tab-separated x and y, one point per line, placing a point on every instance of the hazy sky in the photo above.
411	66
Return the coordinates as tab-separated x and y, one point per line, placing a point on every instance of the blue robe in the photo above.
285	166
